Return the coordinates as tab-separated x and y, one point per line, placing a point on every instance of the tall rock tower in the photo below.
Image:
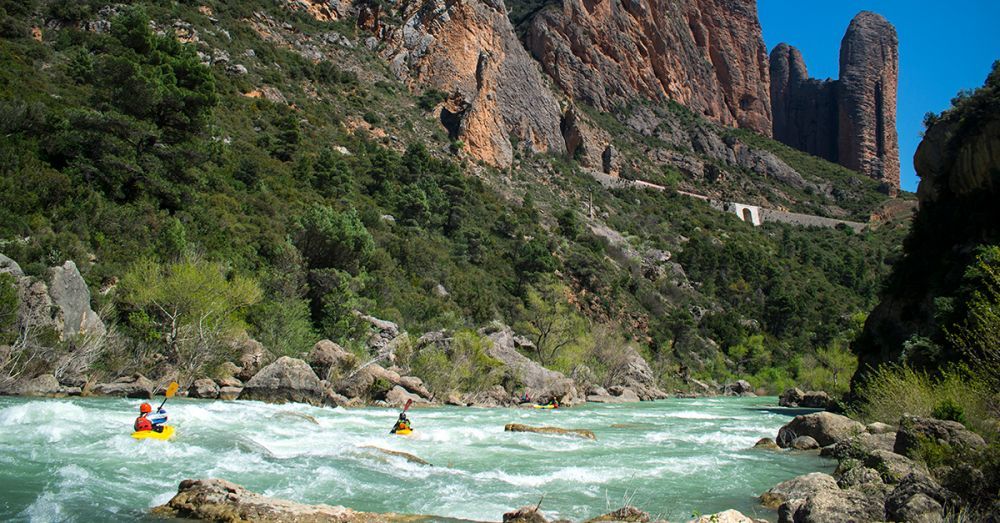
869	71
851	121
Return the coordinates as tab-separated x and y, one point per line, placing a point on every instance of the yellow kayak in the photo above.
167	433
545	406
403	432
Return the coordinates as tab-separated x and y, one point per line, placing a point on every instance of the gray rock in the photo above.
327	358
287	379
398	397
766	443
804	443
524	515
858	476
237	69
837	506
917	498
541	382
229	393
217	499
914	429
70	294
253	357
738	388
45	385
800	487
637	375
893	467
726	516
825	427
135	386
203	388
791	397
9	266
880	428
860	446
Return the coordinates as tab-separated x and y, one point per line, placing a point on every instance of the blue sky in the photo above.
945	46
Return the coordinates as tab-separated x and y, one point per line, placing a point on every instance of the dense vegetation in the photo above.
189	198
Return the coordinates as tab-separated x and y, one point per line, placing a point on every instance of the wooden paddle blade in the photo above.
171	389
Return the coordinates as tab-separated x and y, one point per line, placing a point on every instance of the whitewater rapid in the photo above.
74	460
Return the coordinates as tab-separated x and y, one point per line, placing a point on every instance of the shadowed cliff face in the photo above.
958	162
706	54
851	121
468	49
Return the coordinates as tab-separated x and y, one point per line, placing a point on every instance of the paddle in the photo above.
405	408
171	390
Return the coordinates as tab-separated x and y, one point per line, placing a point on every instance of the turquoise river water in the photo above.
73	459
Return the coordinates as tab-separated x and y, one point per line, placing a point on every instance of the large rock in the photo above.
287	379
852	120
9	266
626	514
917	499
893	467
738	388
542	384
800	487
220	500
72	296
134	386
837	506
204	388
45	385
804	443
637	376
398	397
825	427
327	358
708	55
860	446
524	515
470	51
253	357
913	430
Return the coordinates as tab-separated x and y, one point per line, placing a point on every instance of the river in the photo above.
73	459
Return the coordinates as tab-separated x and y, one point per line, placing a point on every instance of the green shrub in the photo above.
462	366
947	409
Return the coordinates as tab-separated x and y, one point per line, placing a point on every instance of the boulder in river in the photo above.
45	385
800	487
804	443
580	433
795	397
913	429
766	443
405	455
327	358
738	388
836	505
825	427
398	397
287	379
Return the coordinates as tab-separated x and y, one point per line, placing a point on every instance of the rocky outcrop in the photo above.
469	50
851	121
581	433
204	388
60	303
9	266
837	505
914	430
287	379
726	516
738	388
327	358
541	383
824	427
706	54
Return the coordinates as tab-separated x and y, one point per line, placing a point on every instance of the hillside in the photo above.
275	156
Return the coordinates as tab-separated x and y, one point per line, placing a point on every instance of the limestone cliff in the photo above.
706	54
851	121
959	167
468	49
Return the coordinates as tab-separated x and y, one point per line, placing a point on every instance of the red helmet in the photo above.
145	408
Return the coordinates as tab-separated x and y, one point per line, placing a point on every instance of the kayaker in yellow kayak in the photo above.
402	424
148	420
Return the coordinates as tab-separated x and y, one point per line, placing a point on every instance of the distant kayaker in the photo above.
403	423
554	403
148	420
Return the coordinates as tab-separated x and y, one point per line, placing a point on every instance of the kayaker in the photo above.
148	420
554	403
403	423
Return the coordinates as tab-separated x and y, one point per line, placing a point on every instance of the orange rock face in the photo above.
468	49
706	54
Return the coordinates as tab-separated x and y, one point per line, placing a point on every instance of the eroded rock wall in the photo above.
706	54
468	50
851	121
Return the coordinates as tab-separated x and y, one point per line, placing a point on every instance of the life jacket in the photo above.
141	424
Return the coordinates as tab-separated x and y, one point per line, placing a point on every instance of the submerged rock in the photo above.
582	433
766	443
405	455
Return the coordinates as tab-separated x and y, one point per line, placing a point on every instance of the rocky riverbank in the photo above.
877	478
223	501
